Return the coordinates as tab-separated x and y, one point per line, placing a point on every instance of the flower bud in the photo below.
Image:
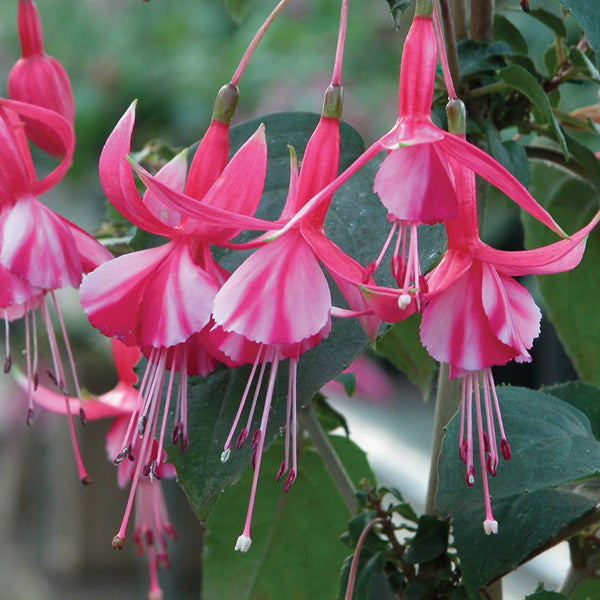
41	80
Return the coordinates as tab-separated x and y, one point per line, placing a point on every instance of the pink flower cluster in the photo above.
187	314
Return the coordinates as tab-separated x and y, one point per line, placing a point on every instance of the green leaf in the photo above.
581	395
238	9
293	534
348	380
329	418
545	595
476	57
402	346
583	64
586	159
505	31
589	589
587	15
552	445
570	296
520	79
550	20
370	565
510	155
430	541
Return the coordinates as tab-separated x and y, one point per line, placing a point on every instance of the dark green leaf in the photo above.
401	345
509	154
370	565
293	534
430	541
406	510
348	380
570	297
552	444
357	525
521	80
581	395
588	589
583	64
329	418
587	15
551	61
238	9
550	20
419	589
478	57
545	595
505	31
587	159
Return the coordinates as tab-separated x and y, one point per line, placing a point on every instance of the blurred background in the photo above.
173	55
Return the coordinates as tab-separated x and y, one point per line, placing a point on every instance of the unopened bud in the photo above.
118	542
457	116
333	102
226	103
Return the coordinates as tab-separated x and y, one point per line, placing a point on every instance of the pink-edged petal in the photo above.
512	314
456	330
63	131
118	183
18	311
347	274
200	362
209	160
172	175
15	290
111	295
290	207
177	301
229	347
91	252
279	295
38	246
488	168
415	184
554	258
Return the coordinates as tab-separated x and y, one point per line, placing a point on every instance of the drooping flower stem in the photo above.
309	421
339	53
447	45
446	403
256	41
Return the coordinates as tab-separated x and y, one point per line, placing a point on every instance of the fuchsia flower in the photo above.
152	524
40	79
40	251
477	316
278	300
161	299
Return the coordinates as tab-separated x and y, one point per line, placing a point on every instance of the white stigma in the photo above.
490	526
243	543
403	301
472	481
225	455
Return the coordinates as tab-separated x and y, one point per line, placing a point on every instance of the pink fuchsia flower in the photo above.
161	298
278	300
39	250
40	79
152	524
477	316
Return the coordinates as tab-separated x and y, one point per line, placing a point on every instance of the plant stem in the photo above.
486	89
482	15
309	421
446	403
446	18
459	18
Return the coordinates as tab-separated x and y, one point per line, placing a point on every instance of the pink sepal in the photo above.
91	252
60	127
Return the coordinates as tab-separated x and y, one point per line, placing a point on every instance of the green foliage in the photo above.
238	9
505	31
588	17
581	395
402	346
545	595
588	589
520	79
570	297
553	445
550	20
430	541
294	553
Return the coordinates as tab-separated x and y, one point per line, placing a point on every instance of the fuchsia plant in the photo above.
191	318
